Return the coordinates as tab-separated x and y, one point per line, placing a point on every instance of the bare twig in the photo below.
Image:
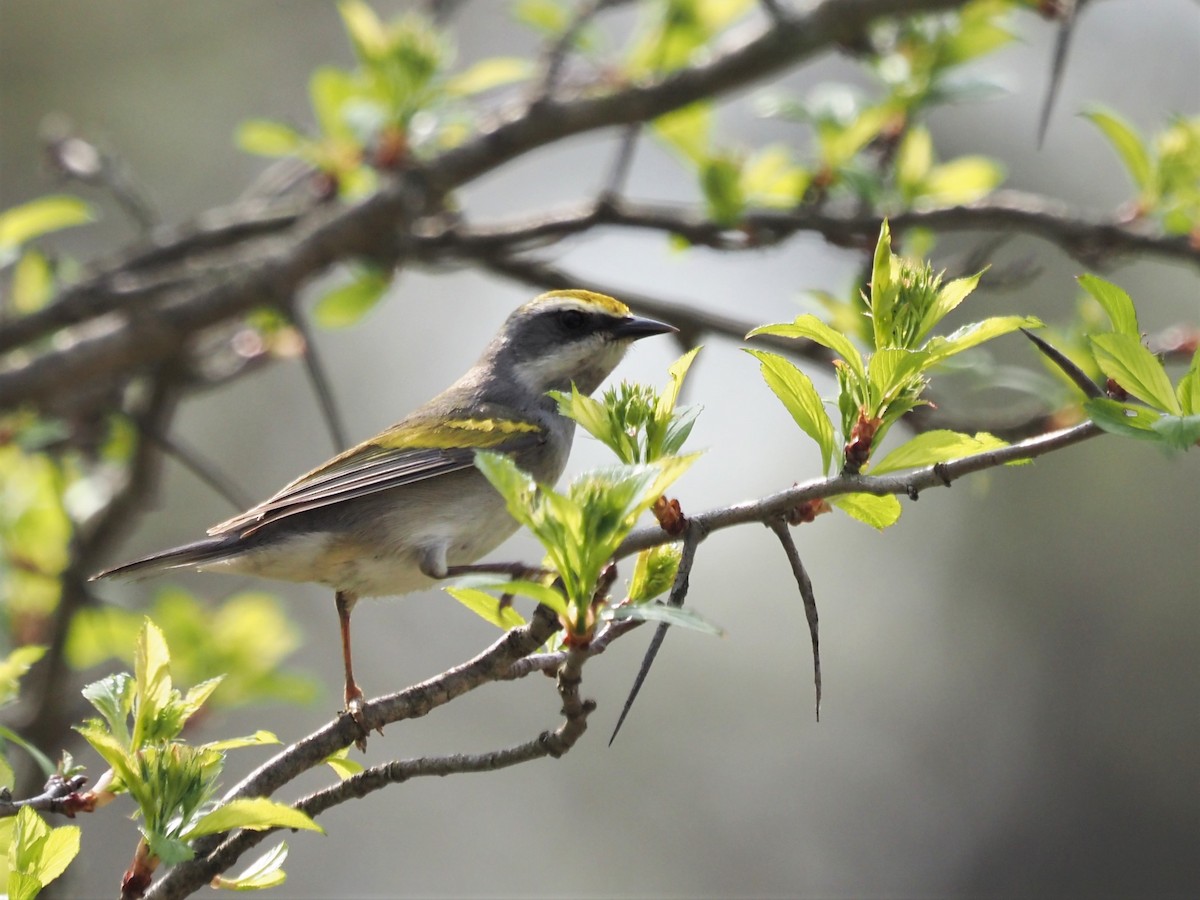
58	796
804	583
321	386
695	533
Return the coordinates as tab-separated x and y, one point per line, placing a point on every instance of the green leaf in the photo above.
961	180
264	137
43	762
23	223
1116	303
687	131
1123	419
547	16
884	290
721	183
942	348
490	73
934	447
1188	389
1126	361
14	666
654	572
342	764
660	612
811	328
366	32
487	607
1128	144
949	296
61	846
253	814
798	395
37	854
770	178
1179	432
876	511
258	739
264	872
344	306
7	775
32	282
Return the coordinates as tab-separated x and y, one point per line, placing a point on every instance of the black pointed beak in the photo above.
637	327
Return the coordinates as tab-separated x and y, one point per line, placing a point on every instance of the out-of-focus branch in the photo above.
1092	240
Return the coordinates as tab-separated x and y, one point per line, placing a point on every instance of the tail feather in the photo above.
194	554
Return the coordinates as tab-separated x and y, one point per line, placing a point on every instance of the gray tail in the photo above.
198	553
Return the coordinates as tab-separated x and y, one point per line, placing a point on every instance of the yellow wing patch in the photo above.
450	433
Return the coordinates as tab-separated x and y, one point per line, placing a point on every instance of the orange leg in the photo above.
345	603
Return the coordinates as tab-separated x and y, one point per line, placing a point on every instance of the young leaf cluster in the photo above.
397	100
579	529
637	422
32	854
907	301
172	782
1167	415
35	275
1165	170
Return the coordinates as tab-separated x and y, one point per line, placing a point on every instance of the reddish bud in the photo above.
670	516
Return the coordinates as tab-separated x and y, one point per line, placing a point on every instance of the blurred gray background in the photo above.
1011	674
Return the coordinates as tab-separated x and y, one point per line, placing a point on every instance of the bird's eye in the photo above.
572	319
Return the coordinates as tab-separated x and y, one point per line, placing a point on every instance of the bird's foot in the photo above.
354	709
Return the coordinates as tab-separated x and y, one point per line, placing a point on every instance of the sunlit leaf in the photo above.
487	607
1116	303
258	739
688	131
931	447
877	511
549	16
961	180
268	138
654	572
1124	359
1129	146
254	814
490	73
942	348
23	223
346	305
264	872
366	31
341	763
14	666
1188	389
811	328
721	183
32	282
800	398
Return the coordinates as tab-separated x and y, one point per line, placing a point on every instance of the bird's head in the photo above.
566	337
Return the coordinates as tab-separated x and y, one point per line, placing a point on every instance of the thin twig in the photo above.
804	583
696	532
319	379
901	484
57	796
203	469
